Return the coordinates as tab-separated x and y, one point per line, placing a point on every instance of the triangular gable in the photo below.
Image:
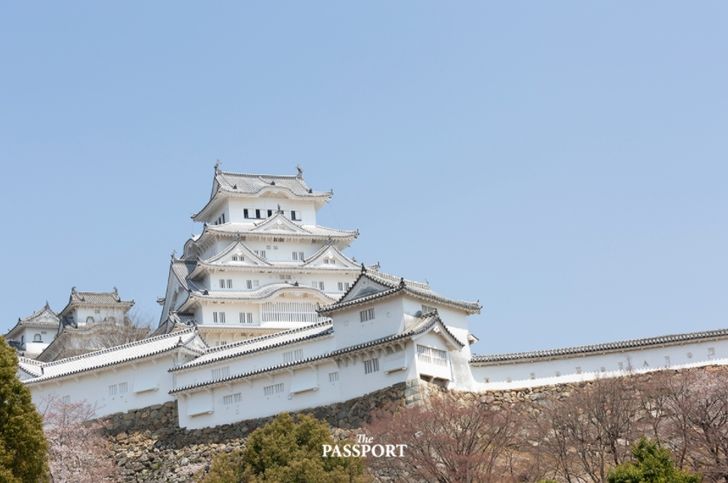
240	250
364	286
279	224
437	327
332	253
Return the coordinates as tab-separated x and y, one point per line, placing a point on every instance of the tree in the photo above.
23	447
286	449
652	464
581	436
447	441
77	450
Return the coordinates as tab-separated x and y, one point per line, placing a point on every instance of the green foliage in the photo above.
286	449
652	464
23	447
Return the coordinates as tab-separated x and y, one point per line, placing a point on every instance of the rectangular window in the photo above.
293	215
246	317
257	214
223	217
246	215
270	213
214	317
222	317
218	317
229	283
221	372
235	258
112	390
300	256
273	389
295	255
231	399
123	387
371	365
222	283
262	254
294	355
344	286
426	309
334	376
366	315
430	355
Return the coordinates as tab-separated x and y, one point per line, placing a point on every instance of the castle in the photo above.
264	313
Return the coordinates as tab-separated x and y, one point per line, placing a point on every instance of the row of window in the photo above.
257	214
243	317
273	389
227	283
430	355
220	220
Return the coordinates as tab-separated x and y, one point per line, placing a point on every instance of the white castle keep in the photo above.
264	313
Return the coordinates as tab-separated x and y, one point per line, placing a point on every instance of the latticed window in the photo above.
294	355
366	315
231	399
273	389
371	365
221	372
430	355
289	312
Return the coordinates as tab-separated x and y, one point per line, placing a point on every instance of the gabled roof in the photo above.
41	319
258	344
372	285
237	247
95	299
584	350
330	251
186	339
278	225
254	185
422	326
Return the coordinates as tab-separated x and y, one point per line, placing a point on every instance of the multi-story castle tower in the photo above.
261	264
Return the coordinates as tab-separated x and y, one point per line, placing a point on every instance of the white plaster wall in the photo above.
253	362
305	210
81	314
586	367
93	386
352	382
388	320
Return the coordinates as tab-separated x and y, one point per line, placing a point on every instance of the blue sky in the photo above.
563	162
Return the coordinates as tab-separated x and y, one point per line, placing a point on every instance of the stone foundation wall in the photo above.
148	445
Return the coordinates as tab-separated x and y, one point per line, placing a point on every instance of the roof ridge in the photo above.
568	350
120	347
266	336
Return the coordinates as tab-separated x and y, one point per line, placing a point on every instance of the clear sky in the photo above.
564	162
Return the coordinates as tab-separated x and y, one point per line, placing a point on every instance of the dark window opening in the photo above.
257	213
245	213
270	213
293	216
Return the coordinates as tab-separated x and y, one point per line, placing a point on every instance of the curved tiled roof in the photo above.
403	286
258	344
255	183
423	326
597	348
307	231
116	355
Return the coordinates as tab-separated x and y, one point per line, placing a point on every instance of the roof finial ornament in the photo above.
279	209
217	165
363	268
401	281
300	171
115	291
73	289
173	254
